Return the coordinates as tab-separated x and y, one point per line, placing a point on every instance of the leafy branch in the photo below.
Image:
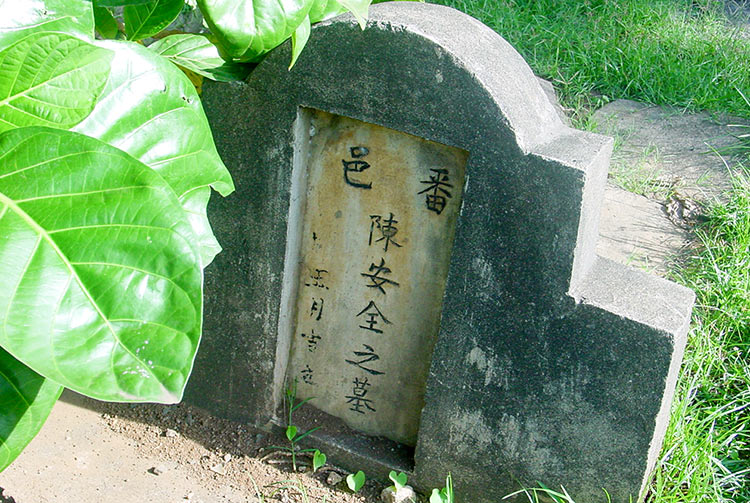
107	167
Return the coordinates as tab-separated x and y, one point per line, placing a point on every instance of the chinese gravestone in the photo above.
412	242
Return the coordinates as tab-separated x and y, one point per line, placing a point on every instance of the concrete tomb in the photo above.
412	242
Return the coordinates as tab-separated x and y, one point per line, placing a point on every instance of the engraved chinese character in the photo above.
317	279
372	314
436	202
356	166
387	230
307	375
365	357
316	309
312	340
357	398
375	276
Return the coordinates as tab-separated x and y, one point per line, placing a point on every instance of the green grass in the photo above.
642	177
667	52
706	454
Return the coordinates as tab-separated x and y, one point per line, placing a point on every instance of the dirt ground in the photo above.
95	452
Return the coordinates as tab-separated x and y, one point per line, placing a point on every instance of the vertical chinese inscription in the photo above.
378	226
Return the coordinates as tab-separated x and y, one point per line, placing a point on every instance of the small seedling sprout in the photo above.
355	481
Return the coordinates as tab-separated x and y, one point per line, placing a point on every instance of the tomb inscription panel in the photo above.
378	225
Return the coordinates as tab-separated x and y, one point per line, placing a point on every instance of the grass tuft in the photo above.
706	454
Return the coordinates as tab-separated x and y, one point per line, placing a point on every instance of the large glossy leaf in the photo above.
145	20
26	399
299	39
194	203
50	79
106	24
325	9
100	284
247	29
151	110
198	54
359	8
19	18
118	3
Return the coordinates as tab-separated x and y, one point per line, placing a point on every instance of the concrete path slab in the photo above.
635	231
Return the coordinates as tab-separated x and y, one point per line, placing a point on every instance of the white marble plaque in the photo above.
378	226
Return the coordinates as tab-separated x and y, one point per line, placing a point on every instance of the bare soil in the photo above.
93	451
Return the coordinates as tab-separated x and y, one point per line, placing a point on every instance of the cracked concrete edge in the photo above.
635	231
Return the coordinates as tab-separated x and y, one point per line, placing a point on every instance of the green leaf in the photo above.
145	20
194	203
312	430
118	3
291	432
20	18
299	40
325	9
50	79
26	399
319	460
359	8
437	496
151	110
355	481
198	54
98	274
399	480
106	25
247	29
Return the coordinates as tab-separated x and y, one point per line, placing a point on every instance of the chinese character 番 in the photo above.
317	307
317	279
377	280
373	313
367	356
435	201
312	340
307	375
387	230
357	398
356	166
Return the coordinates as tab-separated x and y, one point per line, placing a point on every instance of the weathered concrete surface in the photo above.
552	364
635	231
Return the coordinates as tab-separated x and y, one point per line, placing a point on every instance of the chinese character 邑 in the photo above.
356	166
